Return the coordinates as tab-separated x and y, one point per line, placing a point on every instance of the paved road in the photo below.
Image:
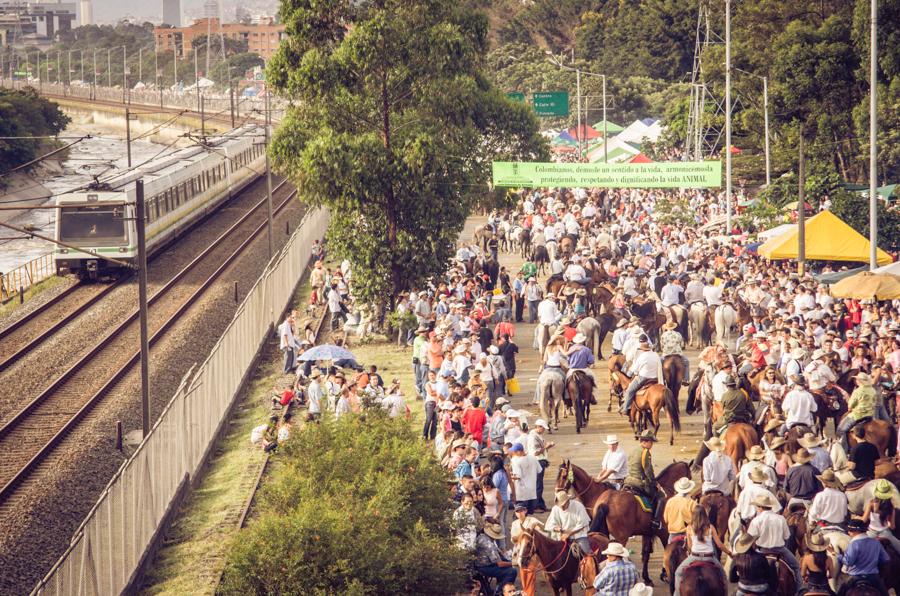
587	449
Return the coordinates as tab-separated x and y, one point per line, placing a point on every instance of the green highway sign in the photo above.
516	96
550	103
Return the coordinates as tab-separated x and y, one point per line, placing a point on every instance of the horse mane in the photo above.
666	470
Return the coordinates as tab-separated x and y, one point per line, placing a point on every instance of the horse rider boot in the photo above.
581	358
641	477
646	367
861	405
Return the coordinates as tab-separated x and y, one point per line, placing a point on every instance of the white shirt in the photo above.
525	468
747	467
286	336
619	337
693	292
394	404
713	295
670	294
799	405
314	398
718	473
575	273
334	301
744	503
573	518
770	529
556	267
534	442
646	364
548	313
830	505
818	375
617	461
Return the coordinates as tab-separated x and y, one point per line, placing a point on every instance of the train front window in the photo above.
92	226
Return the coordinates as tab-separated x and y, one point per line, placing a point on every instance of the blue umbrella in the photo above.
327	352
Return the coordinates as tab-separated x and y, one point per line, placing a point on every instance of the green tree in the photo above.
853	208
393	128
356	506
23	113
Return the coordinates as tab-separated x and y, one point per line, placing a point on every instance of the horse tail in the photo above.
683	324
672	409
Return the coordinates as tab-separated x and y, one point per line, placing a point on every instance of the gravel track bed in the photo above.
35	371
37	525
36	302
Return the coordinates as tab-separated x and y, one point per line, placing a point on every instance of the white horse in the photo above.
726	321
542	336
699	325
590	328
857	498
550	388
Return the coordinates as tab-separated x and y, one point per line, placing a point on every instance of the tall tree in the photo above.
393	127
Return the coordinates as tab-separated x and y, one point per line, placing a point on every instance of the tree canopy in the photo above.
393	128
24	113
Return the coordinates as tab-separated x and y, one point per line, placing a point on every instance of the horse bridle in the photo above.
570	482
565	549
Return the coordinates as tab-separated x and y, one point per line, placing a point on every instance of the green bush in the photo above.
357	506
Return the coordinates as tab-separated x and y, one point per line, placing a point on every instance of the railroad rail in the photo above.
34	432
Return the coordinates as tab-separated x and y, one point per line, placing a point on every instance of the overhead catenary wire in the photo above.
42	157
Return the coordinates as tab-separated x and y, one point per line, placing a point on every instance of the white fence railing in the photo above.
108	547
213	102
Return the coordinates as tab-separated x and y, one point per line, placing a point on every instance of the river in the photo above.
102	155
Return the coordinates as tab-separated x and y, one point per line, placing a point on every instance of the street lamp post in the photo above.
578	72
108	68
873	136
728	117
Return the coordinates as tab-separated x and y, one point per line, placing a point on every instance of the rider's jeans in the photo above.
632	390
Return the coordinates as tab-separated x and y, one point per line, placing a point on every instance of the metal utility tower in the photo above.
703	137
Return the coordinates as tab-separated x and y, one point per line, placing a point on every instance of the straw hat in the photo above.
828	478
715	444
669	326
744	543
756	453
816	542
777	442
883	489
803	456
648	435
611	440
863	379
494	530
764	500
758	476
685	486
810	440
773	424
562	497
616	550
798	353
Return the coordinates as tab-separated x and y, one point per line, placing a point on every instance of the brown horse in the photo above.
831	405
719	507
623	517
702	579
673	373
615	363
557	561
675	553
739	438
648	402
586	489
796	521
781	570
881	434
579	388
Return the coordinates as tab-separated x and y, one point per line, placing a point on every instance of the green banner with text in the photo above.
679	174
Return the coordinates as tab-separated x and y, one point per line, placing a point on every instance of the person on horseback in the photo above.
702	541
718	469
569	520
864	556
755	461
861	405
751	570
829	506
754	489
581	358
645	368
879	514
758	357
575	272
771	532
736	406
798	406
614	467
671	343
620	335
680	509
641	476
801	482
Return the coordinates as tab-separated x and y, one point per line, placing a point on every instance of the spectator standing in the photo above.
525	469
288	343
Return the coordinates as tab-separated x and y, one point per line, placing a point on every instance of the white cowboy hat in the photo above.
494	350
542	423
493	530
715	444
818	354
550	296
611	440
579	338
641	589
615	549
764	500
512	414
684	486
562	497
798	353
863	379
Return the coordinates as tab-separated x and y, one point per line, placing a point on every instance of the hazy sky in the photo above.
112	10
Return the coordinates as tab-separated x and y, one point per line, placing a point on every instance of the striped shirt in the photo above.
616	579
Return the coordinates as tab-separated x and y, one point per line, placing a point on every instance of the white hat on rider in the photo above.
863	379
615	549
550	296
684	486
579	338
760	335
611	440
637	332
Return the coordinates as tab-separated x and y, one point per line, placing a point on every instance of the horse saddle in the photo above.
645	384
831	399
644	502
856	484
862	420
704	562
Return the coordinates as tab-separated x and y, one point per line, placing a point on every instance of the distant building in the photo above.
87	13
242	15
261	39
34	24
171	12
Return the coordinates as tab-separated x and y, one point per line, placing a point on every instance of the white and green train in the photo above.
179	189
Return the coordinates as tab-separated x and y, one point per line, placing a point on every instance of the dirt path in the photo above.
587	449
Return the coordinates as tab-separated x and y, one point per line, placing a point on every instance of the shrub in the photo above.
357	506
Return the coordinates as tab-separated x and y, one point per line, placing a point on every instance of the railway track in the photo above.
33	432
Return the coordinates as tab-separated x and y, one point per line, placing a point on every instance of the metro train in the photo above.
179	188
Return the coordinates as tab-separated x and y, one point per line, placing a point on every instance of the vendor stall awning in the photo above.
828	238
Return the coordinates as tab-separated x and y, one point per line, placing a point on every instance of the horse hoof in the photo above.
609	408
648	582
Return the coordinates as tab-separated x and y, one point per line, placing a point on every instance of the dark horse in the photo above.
673	373
702	579
619	513
540	257
580	388
557	561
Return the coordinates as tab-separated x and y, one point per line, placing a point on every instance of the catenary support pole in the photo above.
766	120
269	180
143	307
728	117
801	210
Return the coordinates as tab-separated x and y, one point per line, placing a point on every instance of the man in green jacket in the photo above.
736	406
861	405
641	476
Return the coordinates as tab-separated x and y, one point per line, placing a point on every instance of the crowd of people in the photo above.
784	358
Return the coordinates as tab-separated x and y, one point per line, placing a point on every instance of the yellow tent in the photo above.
828	238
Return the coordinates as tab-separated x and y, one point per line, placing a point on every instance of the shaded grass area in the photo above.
32	292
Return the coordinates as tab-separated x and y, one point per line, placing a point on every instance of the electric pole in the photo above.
873	137
143	306
801	211
728	117
269	179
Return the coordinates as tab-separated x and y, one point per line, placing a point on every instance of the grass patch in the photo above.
42	286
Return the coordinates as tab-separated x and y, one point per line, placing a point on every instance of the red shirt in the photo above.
286	397
569	333
504	327
473	422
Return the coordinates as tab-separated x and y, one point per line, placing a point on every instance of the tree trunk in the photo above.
840	156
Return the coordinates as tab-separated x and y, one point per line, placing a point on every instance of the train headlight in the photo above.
64	251
123	249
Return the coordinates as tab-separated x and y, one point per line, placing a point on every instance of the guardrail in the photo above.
212	102
26	275
113	541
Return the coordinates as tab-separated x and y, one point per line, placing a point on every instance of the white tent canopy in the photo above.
776	231
637	131
892	268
